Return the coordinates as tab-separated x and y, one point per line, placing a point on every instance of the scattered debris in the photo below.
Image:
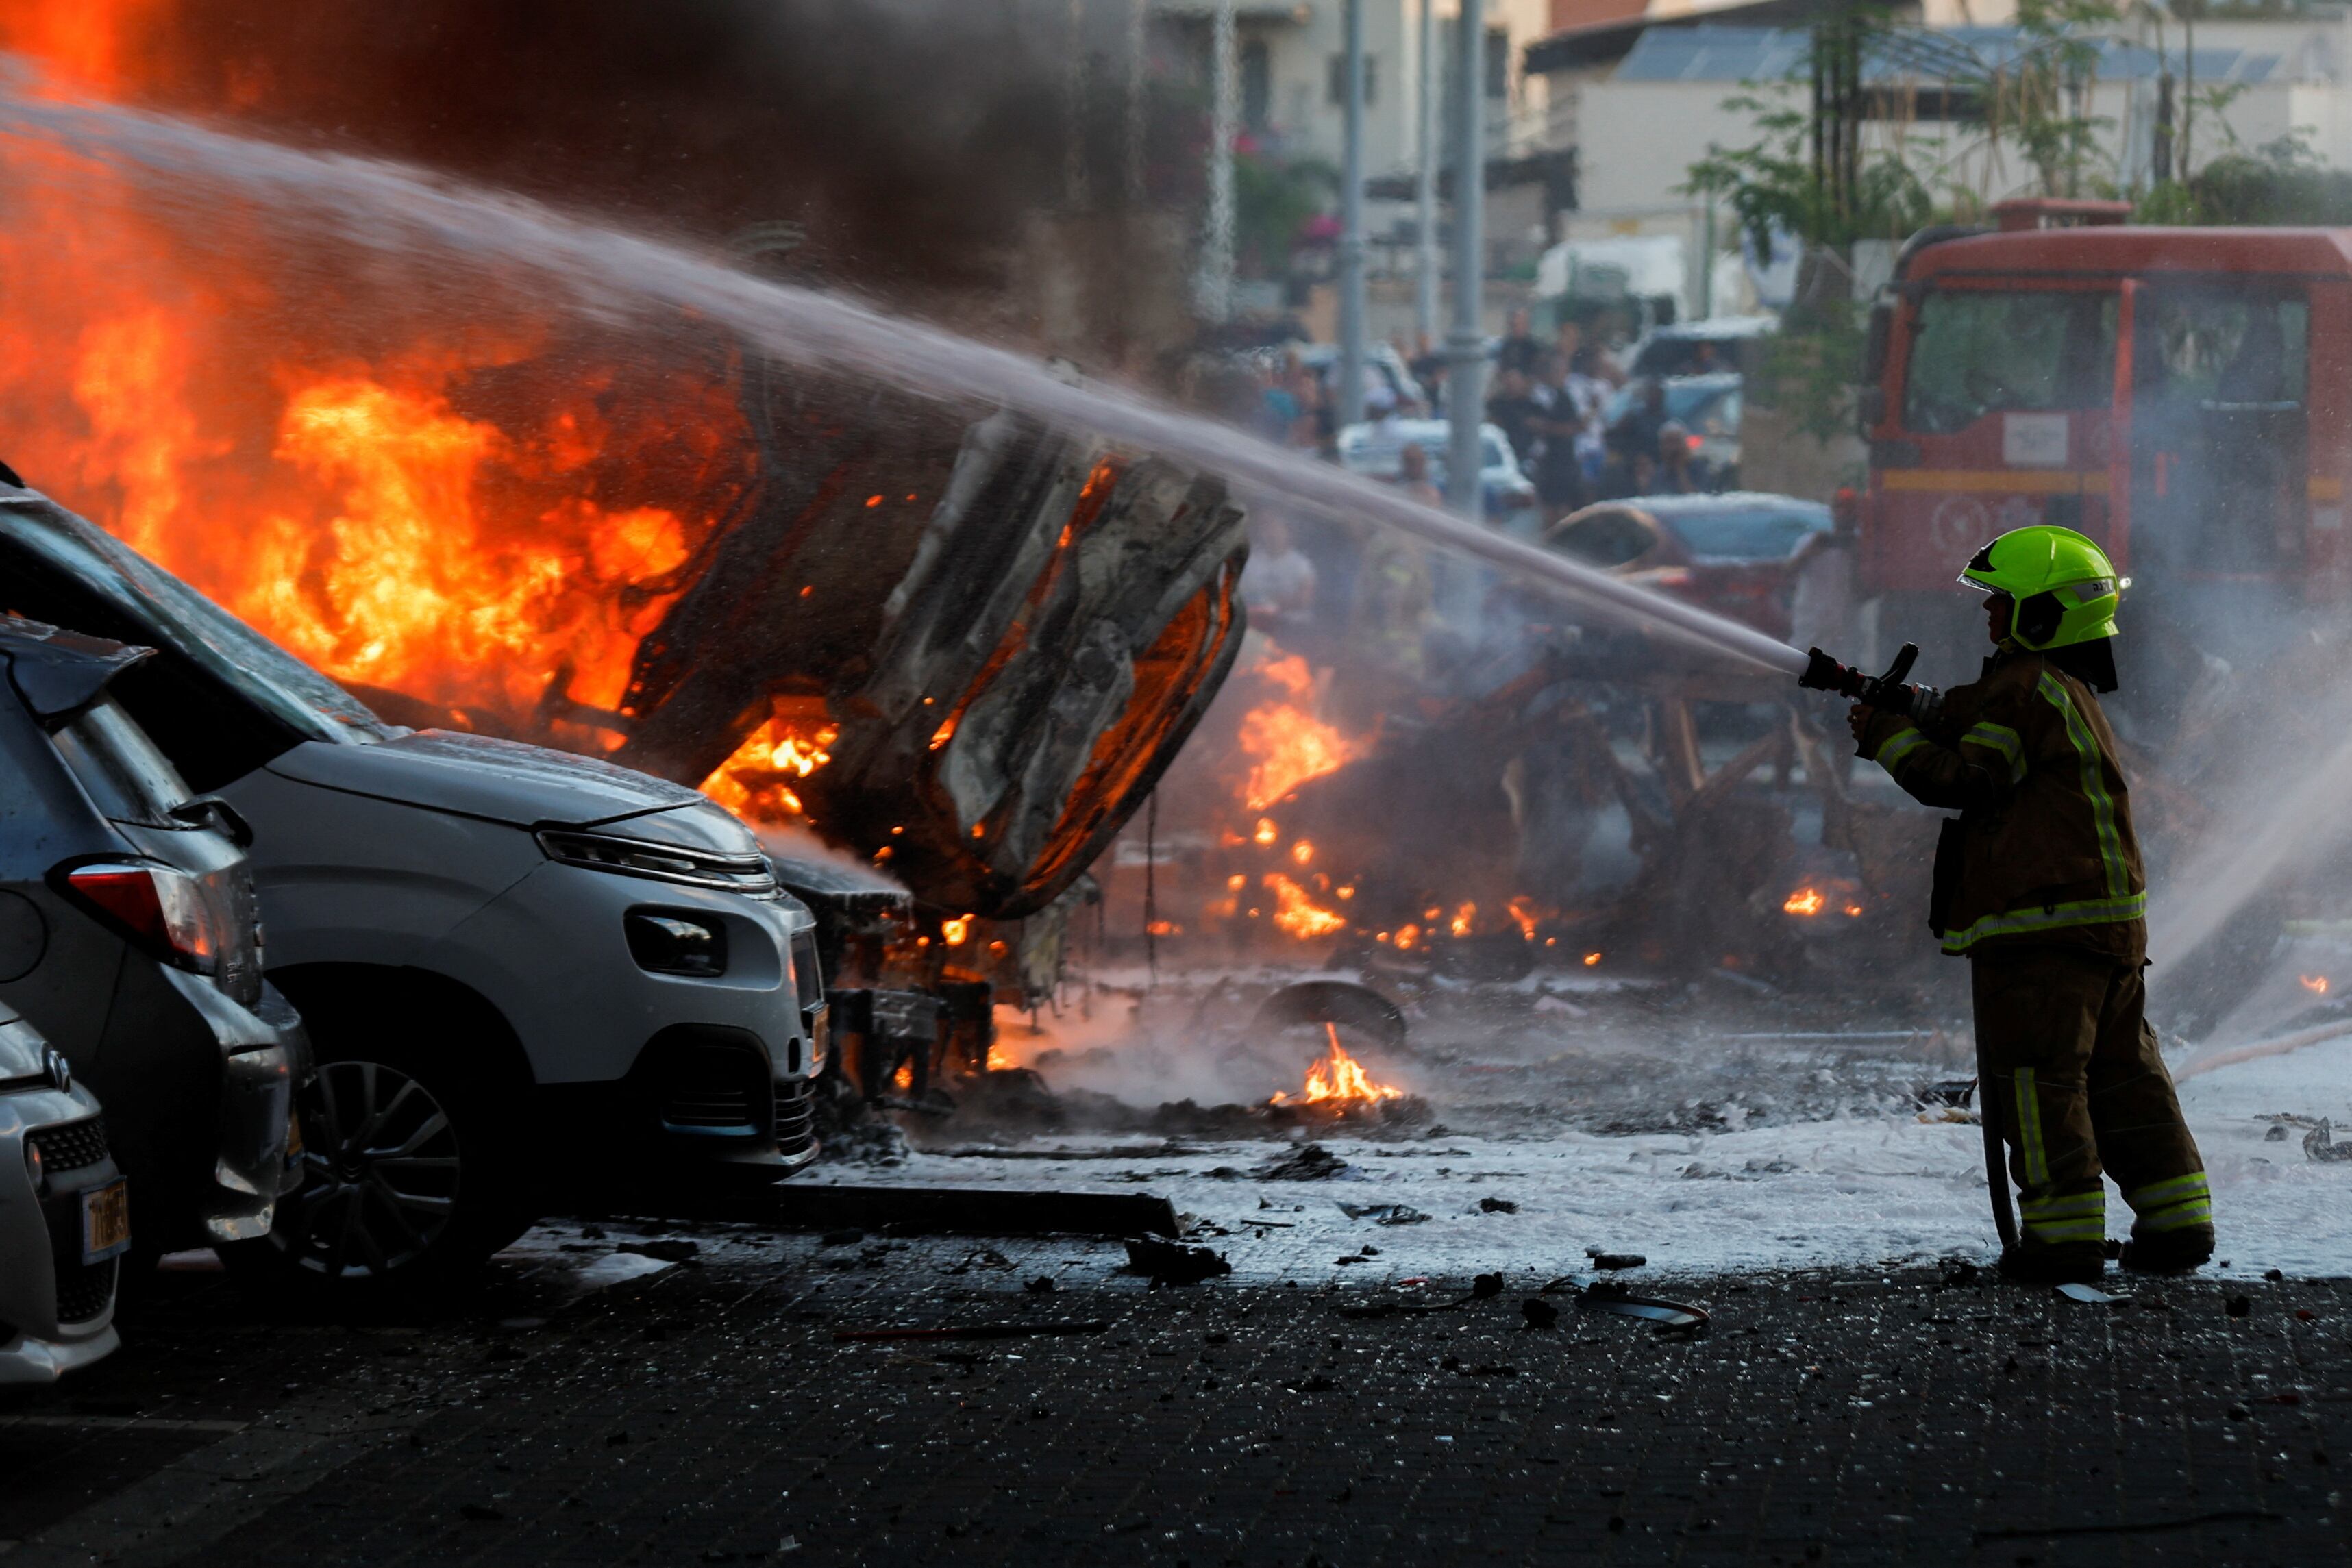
1539	1314
982	1258
857	1206
1383	1213
1614	1260
2320	1144
1312	1162
1168	1264
1497	1206
668	1250
2092	1295
1485	1286
872	1141
2277	1135
973	1331
2237	1306
1608	1296
1041	1285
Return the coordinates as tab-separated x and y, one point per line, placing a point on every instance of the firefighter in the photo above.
2039	885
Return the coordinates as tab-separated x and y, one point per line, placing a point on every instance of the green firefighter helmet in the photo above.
2064	588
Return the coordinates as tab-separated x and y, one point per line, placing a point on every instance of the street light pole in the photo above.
1351	223
1425	183
1224	125
1466	345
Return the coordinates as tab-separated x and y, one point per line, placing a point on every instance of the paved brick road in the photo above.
705	1414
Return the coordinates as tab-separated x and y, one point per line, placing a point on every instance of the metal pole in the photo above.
1075	184
1466	346
1351	223
1224	126
1424	185
1138	19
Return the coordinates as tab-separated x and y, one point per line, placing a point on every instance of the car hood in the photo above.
505	781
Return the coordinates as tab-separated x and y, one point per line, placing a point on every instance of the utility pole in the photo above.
1466	346
1224	126
1351	223
1425	183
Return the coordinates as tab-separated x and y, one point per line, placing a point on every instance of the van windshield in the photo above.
1975	351
168	612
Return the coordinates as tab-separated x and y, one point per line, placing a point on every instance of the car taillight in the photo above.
164	909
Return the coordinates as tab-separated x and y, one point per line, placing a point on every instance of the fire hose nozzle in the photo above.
1824	673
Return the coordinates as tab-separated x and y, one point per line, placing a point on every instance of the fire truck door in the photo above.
2216	402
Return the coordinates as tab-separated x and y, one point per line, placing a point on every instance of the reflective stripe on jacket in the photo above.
2027	758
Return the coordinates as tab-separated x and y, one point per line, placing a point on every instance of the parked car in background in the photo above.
1707	407
1729	553
523	970
129	937
64	1211
1376	449
1714	346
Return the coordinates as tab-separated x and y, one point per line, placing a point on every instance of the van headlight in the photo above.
748	874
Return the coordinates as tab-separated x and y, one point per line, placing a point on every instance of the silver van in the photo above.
521	970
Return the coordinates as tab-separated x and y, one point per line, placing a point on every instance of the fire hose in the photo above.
1889	694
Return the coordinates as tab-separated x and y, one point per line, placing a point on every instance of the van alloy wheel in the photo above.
381	1173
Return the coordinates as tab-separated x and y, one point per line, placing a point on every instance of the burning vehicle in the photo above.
504	954
132	942
65	1215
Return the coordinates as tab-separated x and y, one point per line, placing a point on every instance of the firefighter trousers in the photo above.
2072	1070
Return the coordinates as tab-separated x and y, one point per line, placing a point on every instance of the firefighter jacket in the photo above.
2047	853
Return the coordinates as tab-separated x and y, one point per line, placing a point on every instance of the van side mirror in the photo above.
212	811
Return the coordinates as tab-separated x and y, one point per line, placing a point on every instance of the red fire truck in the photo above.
2181	395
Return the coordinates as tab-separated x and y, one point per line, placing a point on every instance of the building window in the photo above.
1498	64
1339	80
1257	85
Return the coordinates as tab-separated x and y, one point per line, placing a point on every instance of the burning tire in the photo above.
410	1174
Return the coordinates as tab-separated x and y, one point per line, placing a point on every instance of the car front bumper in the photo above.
56	1314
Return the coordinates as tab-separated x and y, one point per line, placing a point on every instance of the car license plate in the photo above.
105	1222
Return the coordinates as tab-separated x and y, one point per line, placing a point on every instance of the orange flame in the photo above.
2315	984
1298	914
462	499
1289	744
1465	919
756	782
1806	901
1592	960
1340	1076
955	932
1265	831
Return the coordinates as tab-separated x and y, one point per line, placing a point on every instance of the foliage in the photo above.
2039	98
2281	183
1273	199
1770	185
1810	375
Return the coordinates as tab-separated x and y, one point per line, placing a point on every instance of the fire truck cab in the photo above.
2181	395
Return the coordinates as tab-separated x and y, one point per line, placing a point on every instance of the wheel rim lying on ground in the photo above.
380	1173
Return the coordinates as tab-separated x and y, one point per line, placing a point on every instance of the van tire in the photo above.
413	1173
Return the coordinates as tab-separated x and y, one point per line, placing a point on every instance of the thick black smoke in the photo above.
912	136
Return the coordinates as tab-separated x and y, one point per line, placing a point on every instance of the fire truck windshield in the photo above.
1975	351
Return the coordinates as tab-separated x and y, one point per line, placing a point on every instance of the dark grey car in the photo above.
129	937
